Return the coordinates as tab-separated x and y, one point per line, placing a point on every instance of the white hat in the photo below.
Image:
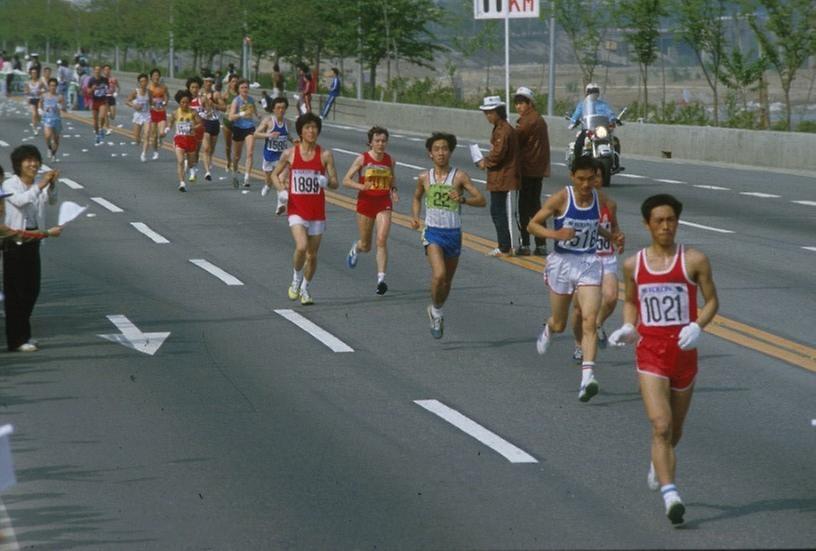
524	92
491	102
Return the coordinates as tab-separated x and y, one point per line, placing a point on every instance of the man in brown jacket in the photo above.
502	165
534	148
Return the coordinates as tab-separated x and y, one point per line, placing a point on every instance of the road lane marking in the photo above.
810	249
107	204
560	164
700	226
716	188
346	151
415	167
227	278
667	181
635	176
806	203
730	330
8	539
3	144
406	165
760	195
143	228
71	184
477	431
813	422
335	344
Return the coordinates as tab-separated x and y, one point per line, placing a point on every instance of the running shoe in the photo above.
305	298
281	208
27	347
543	341
578	354
155	155
192	176
294	292
523	250
382	288
590	389
675	510
108	131
264	190
182	188
246	183
351	258
98	139
208	177
498	253
651	479
143	158
437	324
602	338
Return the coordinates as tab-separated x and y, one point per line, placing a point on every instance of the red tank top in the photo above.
667	301
379	173
605	245
306	197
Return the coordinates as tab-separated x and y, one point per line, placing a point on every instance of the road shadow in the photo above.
727	512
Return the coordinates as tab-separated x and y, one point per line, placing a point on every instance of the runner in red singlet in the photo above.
661	297
311	170
374	171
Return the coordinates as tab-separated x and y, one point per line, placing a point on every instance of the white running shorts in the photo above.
610	264
313	227
141	118
566	272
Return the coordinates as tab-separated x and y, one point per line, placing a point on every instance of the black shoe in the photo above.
382	288
523	250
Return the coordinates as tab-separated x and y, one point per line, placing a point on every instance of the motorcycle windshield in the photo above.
591	119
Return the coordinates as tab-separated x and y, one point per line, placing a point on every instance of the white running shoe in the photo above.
543	341
351	258
182	188
155	155
675	509
578	354
283	198
588	390
305	298
294	291
143	158
192	176
108	131
437	324
27	347
208	176
651	479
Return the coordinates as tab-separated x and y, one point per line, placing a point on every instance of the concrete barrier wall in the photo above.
788	150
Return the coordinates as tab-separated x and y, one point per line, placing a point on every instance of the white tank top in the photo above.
440	210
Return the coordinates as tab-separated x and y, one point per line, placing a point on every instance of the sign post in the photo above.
507	10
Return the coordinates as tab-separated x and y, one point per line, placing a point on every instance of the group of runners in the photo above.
660	311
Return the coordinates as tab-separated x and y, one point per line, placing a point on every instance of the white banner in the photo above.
494	9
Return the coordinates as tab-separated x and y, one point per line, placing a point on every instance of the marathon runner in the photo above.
139	101
159	97
372	175
661	297
311	170
194	85
186	120
228	98
242	114
110	97
275	131
444	190
212	103
52	104
98	87
33	90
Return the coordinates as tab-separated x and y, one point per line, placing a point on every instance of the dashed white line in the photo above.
560	164
806	203
335	344
759	194
700	226
813	422
71	184
143	228
477	431
414	139
107	204
810	249
346	151
227	278
667	181
410	166
3	144
633	176
716	188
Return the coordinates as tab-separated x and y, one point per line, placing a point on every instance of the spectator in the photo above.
25	210
334	91
278	82
534	156
502	165
219	81
304	89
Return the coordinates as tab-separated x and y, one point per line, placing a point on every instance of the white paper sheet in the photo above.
69	211
475	153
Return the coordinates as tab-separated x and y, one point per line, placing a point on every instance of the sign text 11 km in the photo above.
495	9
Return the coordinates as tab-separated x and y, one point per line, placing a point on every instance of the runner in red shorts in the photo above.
186	145
374	171
159	96
661	296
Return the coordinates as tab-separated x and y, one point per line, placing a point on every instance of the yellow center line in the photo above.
788	351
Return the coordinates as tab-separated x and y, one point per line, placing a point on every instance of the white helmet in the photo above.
592	88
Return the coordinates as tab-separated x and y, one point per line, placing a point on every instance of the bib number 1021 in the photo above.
664	310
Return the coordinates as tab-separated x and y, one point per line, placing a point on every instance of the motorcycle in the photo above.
599	141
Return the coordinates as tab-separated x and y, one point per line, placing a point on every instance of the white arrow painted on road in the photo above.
3	144
132	337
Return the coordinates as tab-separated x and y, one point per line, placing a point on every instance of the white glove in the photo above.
264	190
283	197
688	336
626	334
322	181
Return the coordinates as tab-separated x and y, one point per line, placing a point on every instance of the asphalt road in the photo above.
243	431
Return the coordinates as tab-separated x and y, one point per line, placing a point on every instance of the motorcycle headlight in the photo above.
601	132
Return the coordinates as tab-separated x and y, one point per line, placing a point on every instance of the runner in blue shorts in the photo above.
444	190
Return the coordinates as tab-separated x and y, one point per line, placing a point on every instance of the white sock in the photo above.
586	372
437	312
297	277
380	277
304	285
669	492
246	177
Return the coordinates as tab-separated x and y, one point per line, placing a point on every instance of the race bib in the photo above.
100	91
184	128
379	177
304	182
664	304
277	145
585	238
438	197
158	103
604	245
